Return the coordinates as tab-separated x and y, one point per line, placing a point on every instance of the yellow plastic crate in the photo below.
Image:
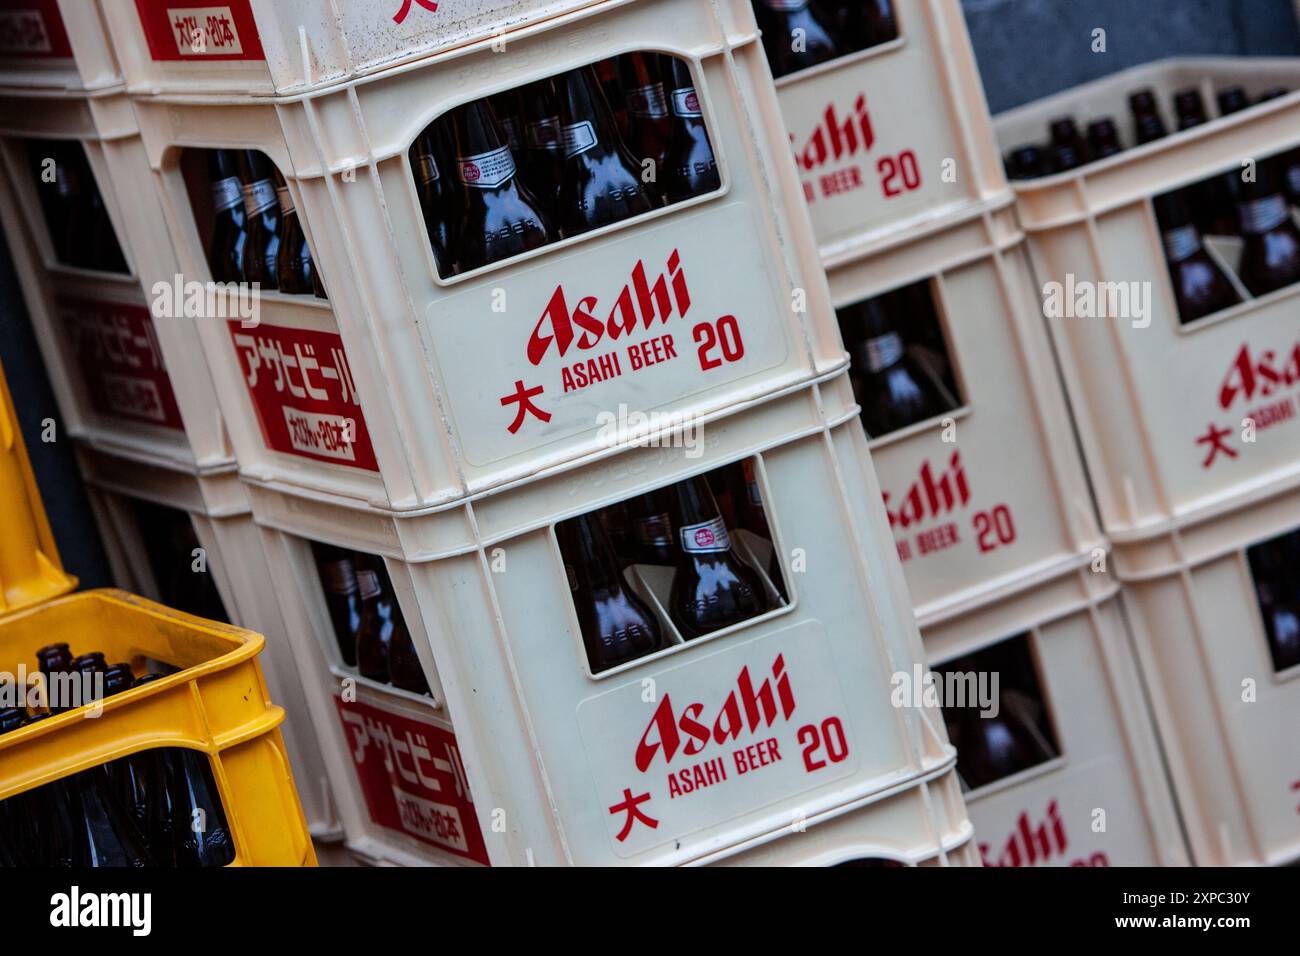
216	704
30	570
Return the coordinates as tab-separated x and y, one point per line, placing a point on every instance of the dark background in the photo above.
1026	49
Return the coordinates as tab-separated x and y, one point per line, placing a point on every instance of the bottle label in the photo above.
648	101
1181	243
578	138
428	168
1293	179
259	197
686	102
368	582
339	577
705	538
656	531
286	201
487	170
1262	215
883	351
226	193
544	134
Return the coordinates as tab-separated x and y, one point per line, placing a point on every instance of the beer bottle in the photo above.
891	387
405	670
1026	162
990	748
107	836
692	169
338	577
117	678
601	181
229	227
1190	108
1068	148
713	587
1277	585
616	624
647	108
59	822
15	841
1232	100
200	834
753	517
1270	257
261	218
1103	138
780	20
499	217
1200	287
508	108
71	171
882	25
376	628
293	264
55	197
54	659
1147	123
652	528
611	84
103	251
1287	163
543	143
429	157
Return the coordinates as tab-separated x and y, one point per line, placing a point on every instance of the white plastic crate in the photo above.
548	746
968	529
1160	404
1100	797
217	507
430	374
124	381
56	44
895	137
1226	715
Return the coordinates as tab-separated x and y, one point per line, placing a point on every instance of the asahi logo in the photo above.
1259	375
835	138
931	495
1030	845
745	709
638	303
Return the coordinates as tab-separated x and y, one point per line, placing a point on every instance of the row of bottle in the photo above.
73	208
559	157
798	34
1067	149
688	527
256	234
368	625
156	807
1275	569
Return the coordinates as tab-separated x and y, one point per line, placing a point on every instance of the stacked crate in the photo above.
985	492
1188	422
521	749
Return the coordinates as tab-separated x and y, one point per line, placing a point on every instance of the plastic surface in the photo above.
895	138
539	735
217	705
968	529
1227	718
57	45
1149	394
30	569
1108	755
433	372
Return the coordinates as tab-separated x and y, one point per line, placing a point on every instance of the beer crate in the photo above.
56	45
1213	606
126	378
216	704
954	312
30	569
559	747
1161	404
892	138
450	391
1086	786
188	541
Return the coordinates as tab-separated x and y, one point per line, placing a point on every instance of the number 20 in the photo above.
725	333
890	169
832	732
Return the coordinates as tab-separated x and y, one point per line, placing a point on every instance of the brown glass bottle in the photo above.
229	227
376	628
293	265
1103	138
1147	122
1232	100
713	587
992	747
430	158
106	836
405	670
1275	569
649	127
651	526
691	168
1200	287
1068	149
543	143
616	625
794	36
498	216
509	110
1028	161
261	219
891	387
1190	108
200	834
1270	257
601	181
1287	163
338	576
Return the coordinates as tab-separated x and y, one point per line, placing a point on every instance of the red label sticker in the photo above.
121	365
200	30
32	29
413	779
303	393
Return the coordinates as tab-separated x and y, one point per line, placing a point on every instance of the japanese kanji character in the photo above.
629	806
1214	438
523	397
